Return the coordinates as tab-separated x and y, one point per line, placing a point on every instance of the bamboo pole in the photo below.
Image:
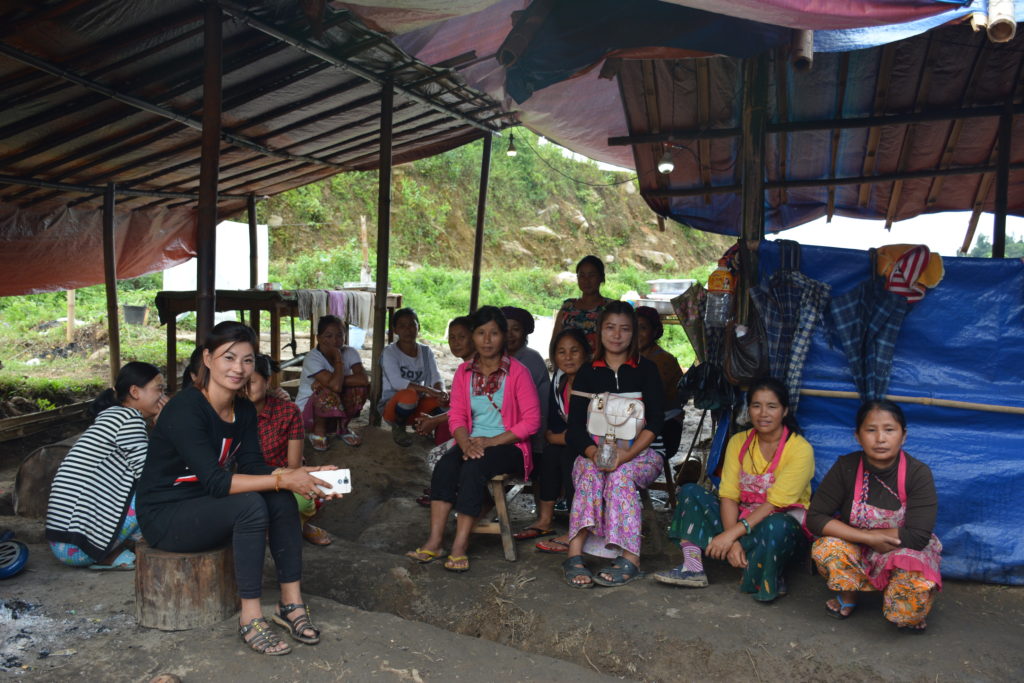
920	400
71	315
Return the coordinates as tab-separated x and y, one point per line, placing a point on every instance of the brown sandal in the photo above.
298	625
264	640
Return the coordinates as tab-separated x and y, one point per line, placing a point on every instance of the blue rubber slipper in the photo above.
125	562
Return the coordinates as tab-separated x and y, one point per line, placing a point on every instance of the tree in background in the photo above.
983	247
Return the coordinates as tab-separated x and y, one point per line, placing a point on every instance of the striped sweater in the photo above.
94	485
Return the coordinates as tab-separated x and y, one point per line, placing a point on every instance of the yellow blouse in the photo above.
792	476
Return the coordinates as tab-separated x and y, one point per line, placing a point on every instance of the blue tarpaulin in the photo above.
963	342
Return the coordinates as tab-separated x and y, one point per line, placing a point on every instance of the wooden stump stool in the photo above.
180	591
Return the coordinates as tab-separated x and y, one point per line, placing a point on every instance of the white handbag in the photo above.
614	415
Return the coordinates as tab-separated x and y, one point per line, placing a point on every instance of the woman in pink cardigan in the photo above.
494	412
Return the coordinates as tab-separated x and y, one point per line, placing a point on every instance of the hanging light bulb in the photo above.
511	146
665	164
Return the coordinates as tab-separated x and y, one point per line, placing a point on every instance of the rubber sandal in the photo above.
350	438
297	625
532	532
912	630
421	556
552	546
572	568
319	442
124	562
622	572
316	535
680	576
453	560
838	613
264	638
424	501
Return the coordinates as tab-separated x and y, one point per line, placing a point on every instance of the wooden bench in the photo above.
181	591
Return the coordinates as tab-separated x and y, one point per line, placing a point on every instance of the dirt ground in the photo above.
385	618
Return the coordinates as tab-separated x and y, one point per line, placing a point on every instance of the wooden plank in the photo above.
844	70
23	425
754	116
875	133
110	282
387	110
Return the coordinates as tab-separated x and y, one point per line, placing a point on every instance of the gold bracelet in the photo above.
277	483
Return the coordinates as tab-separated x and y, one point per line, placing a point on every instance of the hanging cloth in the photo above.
791	306
866	321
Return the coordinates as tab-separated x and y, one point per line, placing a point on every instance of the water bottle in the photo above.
721	285
606	453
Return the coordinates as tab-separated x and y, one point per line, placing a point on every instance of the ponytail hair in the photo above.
134	374
782	393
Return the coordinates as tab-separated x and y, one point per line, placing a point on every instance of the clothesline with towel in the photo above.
354	307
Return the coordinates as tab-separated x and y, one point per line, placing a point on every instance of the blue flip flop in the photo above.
838	613
125	562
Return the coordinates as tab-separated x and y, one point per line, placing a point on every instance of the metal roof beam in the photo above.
831	182
99	190
802	126
239	13
149	107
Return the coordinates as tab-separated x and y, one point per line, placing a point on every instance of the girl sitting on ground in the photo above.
334	386
411	383
605	519
755	524
570	352
649	331
205	484
281	435
875	511
91	514
583	311
494	412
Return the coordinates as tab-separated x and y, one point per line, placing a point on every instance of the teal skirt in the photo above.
769	547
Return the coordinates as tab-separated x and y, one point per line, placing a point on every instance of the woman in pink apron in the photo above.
874	511
755	523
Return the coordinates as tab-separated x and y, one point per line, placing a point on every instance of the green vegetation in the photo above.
983	247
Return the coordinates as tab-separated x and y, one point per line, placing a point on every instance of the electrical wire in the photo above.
569	177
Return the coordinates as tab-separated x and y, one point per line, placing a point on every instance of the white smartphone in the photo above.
340	481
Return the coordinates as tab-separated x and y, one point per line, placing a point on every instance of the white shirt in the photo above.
315	363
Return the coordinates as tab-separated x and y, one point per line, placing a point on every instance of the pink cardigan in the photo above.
520	408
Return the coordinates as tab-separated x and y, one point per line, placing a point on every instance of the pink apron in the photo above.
754	487
863	516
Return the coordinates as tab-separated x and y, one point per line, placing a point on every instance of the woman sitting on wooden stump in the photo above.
91	513
190	500
494	413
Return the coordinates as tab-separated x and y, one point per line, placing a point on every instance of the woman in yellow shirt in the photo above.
755	524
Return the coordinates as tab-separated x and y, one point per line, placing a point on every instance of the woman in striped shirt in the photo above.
91	512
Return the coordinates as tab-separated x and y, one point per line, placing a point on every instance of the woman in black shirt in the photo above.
189	499
605	519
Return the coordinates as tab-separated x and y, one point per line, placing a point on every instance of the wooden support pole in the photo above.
1002	185
481	208
754	118
254	257
110	279
387	106
206	233
71	315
